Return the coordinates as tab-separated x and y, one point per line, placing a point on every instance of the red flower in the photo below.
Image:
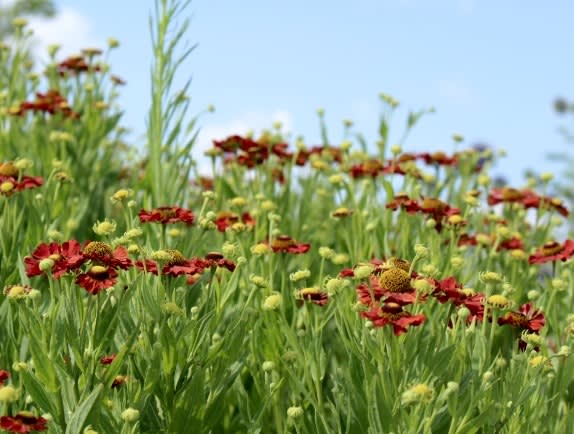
51	102
546	202
527	318
19	184
75	65
392	314
511	244
102	253
120	380
449	289
97	278
107	360
401	200
313	295
286	244
23	422
511	195
371	168
4	375
166	215
147	265
225	219
466	240
438	158
552	251
393	285
66	257
435	208
216	259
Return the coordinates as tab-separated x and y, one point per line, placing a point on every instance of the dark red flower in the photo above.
449	290
101	253
178	265
392	314
511	195
434	208
66	257
75	65
286	244
216	259
11	184
392	285
51	102
120	380
396	168
438	158
313	295
401	200
97	278
511	244
466	240
527	318
553	251
107	360
23	422
147	265
167	215
546	202
225	219
4	375
371	168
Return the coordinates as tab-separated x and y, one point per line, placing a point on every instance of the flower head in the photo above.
286	244
167	215
66	257
553	251
313	295
390	313
23	422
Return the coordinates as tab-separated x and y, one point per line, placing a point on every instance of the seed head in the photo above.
272	302
396	280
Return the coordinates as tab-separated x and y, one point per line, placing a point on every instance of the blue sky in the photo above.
490	68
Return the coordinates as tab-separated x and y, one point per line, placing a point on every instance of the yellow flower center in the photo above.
6	187
437	156
231	217
510	194
167	213
8	169
433	204
398	263
552	248
97	248
283	242
396	280
55	257
175	257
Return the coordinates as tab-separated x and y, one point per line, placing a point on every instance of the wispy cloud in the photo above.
69	29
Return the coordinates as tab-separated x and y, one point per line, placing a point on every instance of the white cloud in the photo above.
251	121
70	29
466	7
456	91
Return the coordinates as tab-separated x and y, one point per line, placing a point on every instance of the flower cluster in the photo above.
12	180
51	102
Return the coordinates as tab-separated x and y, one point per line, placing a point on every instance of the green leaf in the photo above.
78	418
